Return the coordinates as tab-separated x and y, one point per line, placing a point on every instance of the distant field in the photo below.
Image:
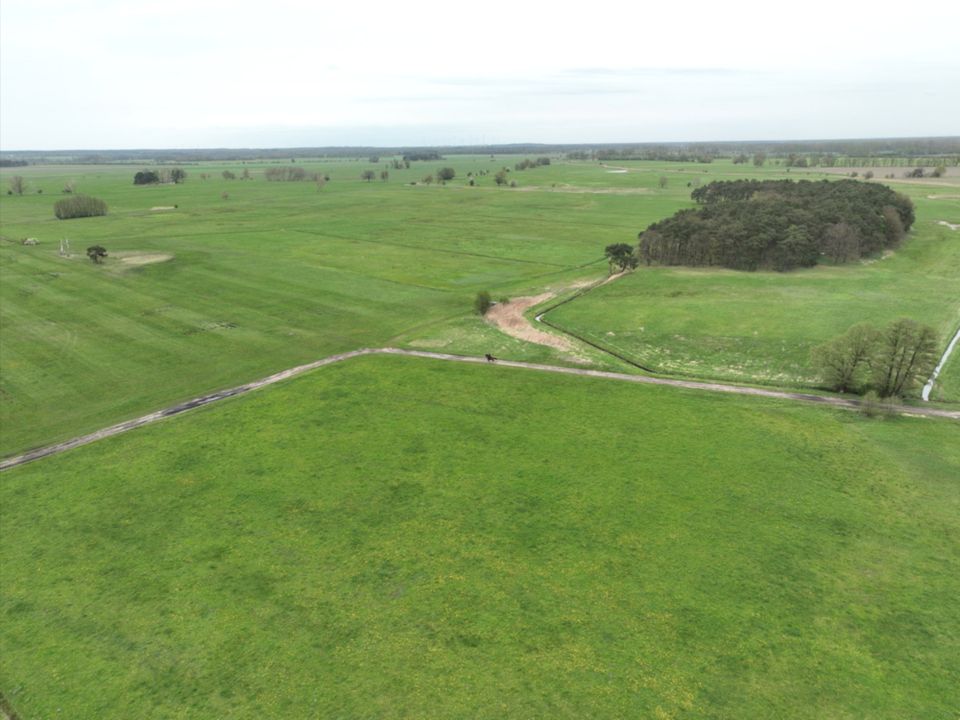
393	537
761	326
275	275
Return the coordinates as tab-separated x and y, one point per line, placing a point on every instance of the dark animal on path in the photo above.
490	358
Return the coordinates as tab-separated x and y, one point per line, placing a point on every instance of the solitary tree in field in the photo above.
384	175
368	175
663	181
229	175
18	184
500	178
620	256
96	253
482	302
178	175
444	174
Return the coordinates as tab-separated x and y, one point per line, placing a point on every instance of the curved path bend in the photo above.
582	372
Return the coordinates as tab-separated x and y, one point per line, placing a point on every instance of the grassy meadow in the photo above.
276	274
280	273
761	326
398	537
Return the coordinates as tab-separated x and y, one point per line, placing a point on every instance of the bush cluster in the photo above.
285	174
528	163
77	206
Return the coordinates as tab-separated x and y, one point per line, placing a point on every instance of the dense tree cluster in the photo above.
77	206
528	163
4	162
889	362
779	224
661	154
152	177
146	177
285	174
422	155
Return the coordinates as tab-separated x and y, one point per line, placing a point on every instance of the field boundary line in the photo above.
179	408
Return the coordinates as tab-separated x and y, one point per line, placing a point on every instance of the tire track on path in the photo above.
183	407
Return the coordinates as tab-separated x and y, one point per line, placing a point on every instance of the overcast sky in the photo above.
284	73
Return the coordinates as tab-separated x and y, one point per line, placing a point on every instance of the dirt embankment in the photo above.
508	318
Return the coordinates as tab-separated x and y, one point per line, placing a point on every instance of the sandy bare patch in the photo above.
616	172
508	318
160	208
943	197
949	225
135	258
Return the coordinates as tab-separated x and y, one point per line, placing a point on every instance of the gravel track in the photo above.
38	453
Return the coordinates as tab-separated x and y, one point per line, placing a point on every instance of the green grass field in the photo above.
279	274
276	275
397	537
394	537
761	326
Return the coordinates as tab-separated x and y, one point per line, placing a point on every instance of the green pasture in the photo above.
398	537
274	275
278	274
761	326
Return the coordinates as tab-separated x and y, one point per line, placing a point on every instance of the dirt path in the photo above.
300	369
509	319
949	225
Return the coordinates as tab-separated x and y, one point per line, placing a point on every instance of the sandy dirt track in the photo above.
508	318
300	369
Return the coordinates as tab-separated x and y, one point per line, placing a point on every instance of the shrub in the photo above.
482	302
872	405
78	206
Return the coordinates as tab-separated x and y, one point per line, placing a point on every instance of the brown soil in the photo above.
508	318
